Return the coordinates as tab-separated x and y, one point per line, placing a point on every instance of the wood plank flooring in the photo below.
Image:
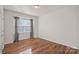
38	46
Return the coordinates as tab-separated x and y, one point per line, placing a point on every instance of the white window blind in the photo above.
23	25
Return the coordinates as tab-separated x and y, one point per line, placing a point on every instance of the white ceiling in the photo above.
29	9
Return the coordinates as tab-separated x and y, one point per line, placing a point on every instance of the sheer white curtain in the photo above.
24	28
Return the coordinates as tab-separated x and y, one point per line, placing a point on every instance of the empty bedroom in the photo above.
39	29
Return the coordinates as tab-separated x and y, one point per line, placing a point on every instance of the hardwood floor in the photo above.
38	46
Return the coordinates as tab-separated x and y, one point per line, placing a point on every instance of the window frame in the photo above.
24	26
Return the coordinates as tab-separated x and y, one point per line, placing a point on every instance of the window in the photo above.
23	25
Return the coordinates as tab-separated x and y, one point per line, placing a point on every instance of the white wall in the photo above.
1	29
10	24
61	26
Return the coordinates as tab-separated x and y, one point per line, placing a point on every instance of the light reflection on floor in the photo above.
27	51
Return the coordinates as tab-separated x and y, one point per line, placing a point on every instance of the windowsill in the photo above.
23	32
